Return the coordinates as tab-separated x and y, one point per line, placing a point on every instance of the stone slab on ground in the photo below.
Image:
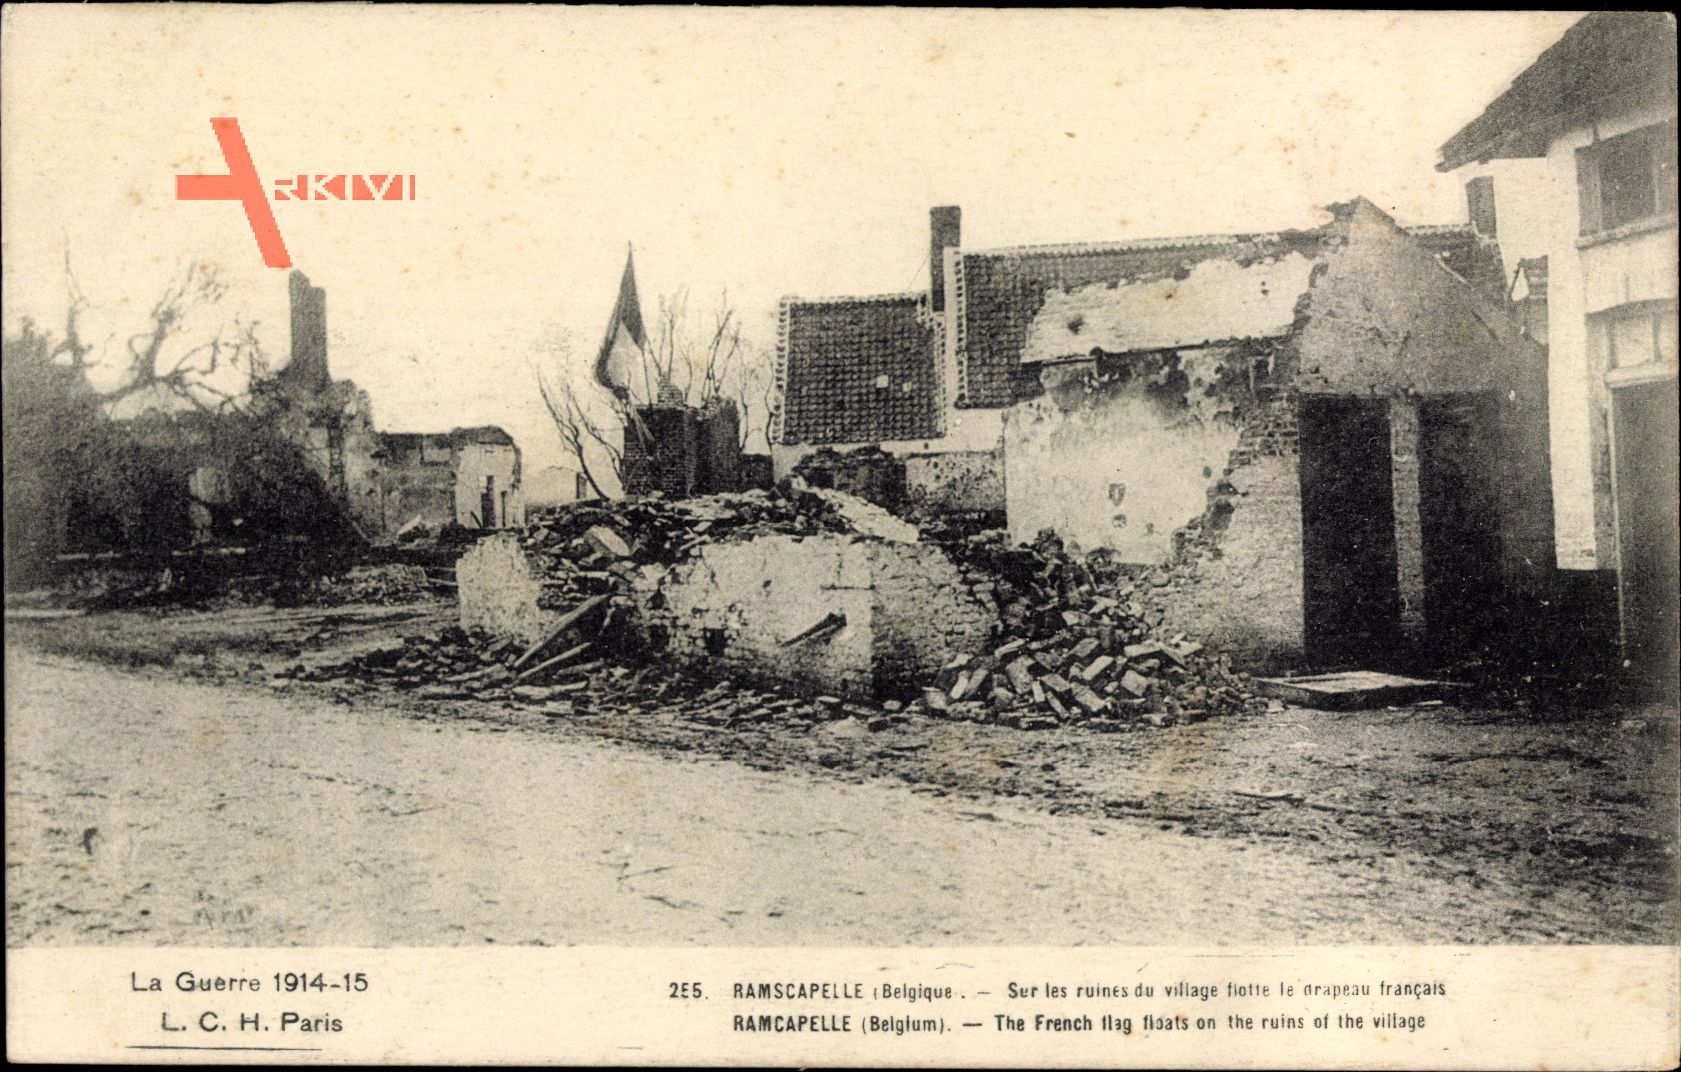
1353	690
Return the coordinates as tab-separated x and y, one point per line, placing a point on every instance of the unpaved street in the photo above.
147	810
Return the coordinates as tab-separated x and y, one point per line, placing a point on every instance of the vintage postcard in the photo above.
840	536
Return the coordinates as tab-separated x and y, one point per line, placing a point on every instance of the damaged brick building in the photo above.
678	450
671	447
1335	437
389	482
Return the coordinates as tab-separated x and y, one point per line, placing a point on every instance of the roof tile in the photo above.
859	370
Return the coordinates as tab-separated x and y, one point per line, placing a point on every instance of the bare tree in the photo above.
750	382
710	360
694	360
583	434
159	357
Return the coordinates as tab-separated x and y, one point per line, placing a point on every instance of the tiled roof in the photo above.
1001	291
858	370
1609	61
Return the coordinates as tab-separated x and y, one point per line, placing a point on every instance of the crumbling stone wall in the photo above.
958	481
500	593
734	607
840	613
926	612
740	609
1237	580
1119	453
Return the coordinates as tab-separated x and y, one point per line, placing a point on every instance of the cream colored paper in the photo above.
762	152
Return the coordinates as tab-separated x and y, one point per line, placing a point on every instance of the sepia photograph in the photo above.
845	478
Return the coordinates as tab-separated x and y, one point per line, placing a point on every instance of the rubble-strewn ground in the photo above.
1411	825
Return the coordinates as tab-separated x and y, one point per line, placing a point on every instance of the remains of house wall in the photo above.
956	481
1119	453
414	479
720	446
926	612
688	450
1385	319
663	456
362	478
1238	585
500	593
473	463
734	608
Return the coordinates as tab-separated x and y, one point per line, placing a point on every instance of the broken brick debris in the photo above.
1080	643
1079	640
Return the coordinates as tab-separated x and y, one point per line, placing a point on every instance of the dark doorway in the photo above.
1350	597
1644	430
1459	521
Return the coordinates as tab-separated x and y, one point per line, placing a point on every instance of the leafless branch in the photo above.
149	360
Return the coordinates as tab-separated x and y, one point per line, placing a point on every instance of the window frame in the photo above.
1599	215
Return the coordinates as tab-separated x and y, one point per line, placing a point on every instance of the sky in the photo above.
747	152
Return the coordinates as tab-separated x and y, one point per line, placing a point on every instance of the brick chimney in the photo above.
308	367
945	229
1479	204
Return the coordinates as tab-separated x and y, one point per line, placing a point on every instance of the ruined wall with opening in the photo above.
1386	319
1120	451
499	464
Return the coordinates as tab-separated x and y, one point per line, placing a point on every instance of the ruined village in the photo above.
1311	585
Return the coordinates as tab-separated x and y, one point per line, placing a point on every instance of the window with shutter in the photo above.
1627	178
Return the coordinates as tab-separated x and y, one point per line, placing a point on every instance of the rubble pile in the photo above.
455	665
385	584
458	665
1080	642
590	549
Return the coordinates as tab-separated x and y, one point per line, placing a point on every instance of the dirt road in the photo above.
147	810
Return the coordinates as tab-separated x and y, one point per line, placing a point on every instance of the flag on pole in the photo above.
621	362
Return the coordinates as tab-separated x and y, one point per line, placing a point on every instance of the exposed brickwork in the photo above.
1237	580
662	455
